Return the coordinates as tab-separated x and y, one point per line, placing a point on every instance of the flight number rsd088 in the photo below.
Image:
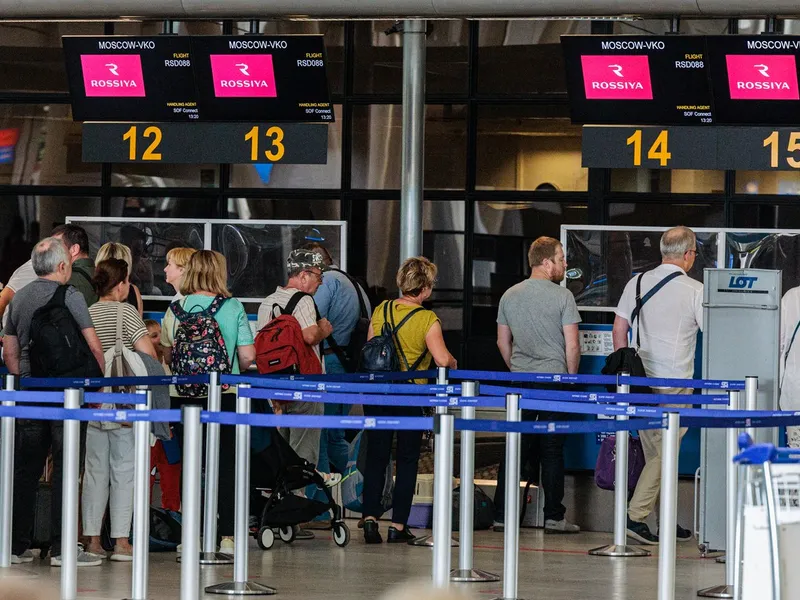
270	144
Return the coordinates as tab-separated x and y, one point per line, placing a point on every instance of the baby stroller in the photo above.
276	472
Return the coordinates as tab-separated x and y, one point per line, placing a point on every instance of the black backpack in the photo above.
57	347
483	510
381	352
358	337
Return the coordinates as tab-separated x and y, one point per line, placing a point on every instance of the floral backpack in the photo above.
199	346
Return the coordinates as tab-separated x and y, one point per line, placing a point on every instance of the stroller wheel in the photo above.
287	534
265	538
341	534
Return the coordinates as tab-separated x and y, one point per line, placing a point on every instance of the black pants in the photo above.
32	443
379	451
546	450
226	496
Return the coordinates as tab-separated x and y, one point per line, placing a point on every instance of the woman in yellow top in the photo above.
420	340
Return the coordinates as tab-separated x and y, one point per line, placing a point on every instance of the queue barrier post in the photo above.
190	503
466	573
69	486
427	540
670	443
240	586
442	498
511	532
141	503
751	403
209	555
620	548
7	432
726	590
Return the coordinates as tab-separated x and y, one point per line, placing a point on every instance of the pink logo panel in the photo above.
762	77
616	77
112	75
243	76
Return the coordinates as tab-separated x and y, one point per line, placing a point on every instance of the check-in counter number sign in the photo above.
274	135
773	142
151	134
658	151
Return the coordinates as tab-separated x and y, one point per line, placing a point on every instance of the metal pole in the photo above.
413	160
726	590
442	499
209	555
620	548
240	586
669	507
511	532
751	403
190	503
7	478
774	540
141	503
69	511
427	540
465	572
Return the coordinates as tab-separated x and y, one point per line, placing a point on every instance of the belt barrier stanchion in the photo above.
240	586
465	572
69	486
7	479
442	498
427	540
726	590
209	555
620	547
511	532
190	503
751	402
670	444
141	503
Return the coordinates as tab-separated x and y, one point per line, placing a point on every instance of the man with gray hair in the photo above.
665	330
33	440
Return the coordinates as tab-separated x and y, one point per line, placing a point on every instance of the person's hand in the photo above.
325	326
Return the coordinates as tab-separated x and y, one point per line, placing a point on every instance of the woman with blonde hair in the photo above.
419	341
122	252
177	260
206	296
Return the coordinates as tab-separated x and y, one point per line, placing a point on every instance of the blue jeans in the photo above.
334	450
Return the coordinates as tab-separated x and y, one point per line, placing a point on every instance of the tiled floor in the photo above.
551	567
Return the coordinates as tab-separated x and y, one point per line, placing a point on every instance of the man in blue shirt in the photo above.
337	300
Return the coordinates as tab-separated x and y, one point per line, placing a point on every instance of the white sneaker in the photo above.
226	546
179	549
25	557
84	560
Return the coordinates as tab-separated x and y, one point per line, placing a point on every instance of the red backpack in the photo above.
280	345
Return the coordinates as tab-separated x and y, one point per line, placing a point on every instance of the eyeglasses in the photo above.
317	275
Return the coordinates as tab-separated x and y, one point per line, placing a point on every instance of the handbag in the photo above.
605	469
627	360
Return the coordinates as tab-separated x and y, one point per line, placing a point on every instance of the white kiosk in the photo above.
741	337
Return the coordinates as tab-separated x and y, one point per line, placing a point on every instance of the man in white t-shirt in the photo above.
304	269
667	326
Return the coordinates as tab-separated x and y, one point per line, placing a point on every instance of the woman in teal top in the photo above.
204	282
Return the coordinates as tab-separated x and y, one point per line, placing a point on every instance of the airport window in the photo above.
766	216
519	148
780	183
377	146
671	181
161	175
691	214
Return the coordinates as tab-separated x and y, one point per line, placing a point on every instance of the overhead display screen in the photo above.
275	79
755	79
637	79
131	78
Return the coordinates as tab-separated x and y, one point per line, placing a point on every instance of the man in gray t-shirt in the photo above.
537	331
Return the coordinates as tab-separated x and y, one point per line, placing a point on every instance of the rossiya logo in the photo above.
243	76
112	75
616	77
762	77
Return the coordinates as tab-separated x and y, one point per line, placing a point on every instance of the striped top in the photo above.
104	316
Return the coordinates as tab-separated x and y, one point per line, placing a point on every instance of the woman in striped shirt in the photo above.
109	446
